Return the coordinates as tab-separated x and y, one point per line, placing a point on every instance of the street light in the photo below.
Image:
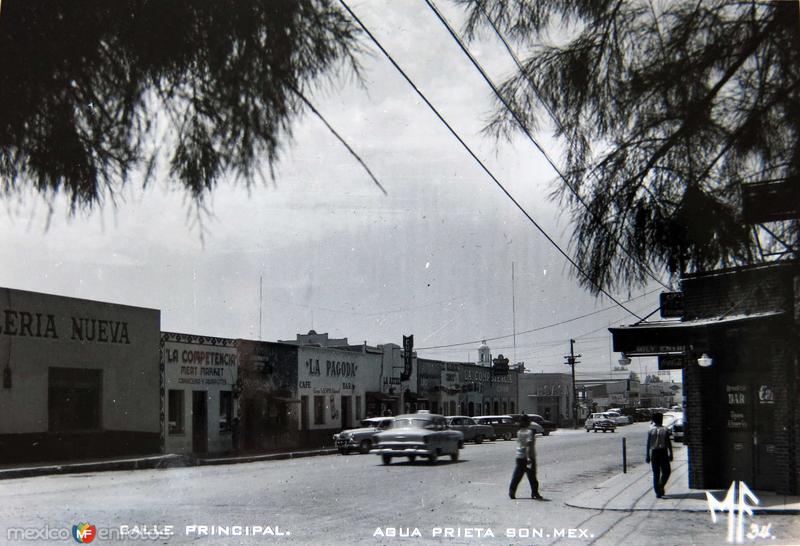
705	361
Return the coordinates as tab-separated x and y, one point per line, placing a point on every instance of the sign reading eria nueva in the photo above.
45	326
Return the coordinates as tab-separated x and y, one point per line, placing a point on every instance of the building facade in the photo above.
737	343
458	388
548	395
200	394
81	378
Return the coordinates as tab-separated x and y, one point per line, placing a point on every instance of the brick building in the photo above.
737	344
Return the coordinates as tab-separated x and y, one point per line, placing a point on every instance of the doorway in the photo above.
199	421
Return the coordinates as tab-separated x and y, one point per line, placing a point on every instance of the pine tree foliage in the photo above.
665	109
84	84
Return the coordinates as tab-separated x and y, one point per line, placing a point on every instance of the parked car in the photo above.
472	431
361	438
547	426
506	426
418	435
599	421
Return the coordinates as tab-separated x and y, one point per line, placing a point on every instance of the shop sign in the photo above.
671	304
43	325
202	367
333	368
737	396
671	362
766	395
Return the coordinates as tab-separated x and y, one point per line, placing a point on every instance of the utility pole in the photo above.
571	361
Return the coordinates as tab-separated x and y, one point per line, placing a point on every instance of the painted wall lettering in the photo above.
103	331
23	323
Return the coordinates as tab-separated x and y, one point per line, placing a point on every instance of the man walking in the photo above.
526	454
659	454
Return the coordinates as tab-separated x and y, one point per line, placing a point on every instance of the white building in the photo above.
201	376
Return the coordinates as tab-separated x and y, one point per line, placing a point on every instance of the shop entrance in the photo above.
347	412
199	421
749	422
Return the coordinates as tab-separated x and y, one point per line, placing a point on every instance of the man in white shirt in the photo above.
659	454
526	454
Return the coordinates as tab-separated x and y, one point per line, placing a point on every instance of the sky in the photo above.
321	247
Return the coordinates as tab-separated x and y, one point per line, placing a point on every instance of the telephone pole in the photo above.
571	360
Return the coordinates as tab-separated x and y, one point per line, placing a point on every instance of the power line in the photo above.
339	137
480	163
521	124
472	342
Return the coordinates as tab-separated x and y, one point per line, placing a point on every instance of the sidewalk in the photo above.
634	491
153	461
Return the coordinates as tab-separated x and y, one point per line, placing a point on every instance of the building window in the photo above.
358	408
74	399
319	410
511	405
225	411
175	416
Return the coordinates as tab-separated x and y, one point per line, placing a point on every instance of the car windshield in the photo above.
412	423
369	423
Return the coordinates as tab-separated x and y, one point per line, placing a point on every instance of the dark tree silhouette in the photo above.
665	108
84	84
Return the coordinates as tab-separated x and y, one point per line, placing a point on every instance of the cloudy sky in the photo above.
328	249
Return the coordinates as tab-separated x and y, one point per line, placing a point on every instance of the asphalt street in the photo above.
354	499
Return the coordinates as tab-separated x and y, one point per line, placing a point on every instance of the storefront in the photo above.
548	395
456	388
80	378
737	343
333	386
200	395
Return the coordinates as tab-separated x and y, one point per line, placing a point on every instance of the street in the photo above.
354	499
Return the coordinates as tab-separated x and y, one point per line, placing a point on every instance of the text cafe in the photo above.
80	378
199	396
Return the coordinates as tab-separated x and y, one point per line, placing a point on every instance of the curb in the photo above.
158	462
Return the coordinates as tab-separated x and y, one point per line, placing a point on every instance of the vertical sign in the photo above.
408	348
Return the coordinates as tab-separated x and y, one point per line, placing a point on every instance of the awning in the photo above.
375	395
673	338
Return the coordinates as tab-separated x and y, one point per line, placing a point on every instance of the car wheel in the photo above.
506	436
365	446
587	430
479	439
343	450
387	459
432	457
612	430
546	433
460	444
454	456
412	458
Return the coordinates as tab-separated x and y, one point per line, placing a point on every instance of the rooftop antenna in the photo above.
514	311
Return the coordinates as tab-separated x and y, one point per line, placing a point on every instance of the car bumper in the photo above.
402	451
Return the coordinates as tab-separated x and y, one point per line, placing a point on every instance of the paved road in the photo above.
356	500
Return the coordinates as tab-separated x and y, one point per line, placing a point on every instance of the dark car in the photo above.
361	438
547	426
472	431
506	426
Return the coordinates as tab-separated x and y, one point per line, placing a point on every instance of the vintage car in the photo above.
418	435
547	426
599	421
361	438
472	431
618	418
506	426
